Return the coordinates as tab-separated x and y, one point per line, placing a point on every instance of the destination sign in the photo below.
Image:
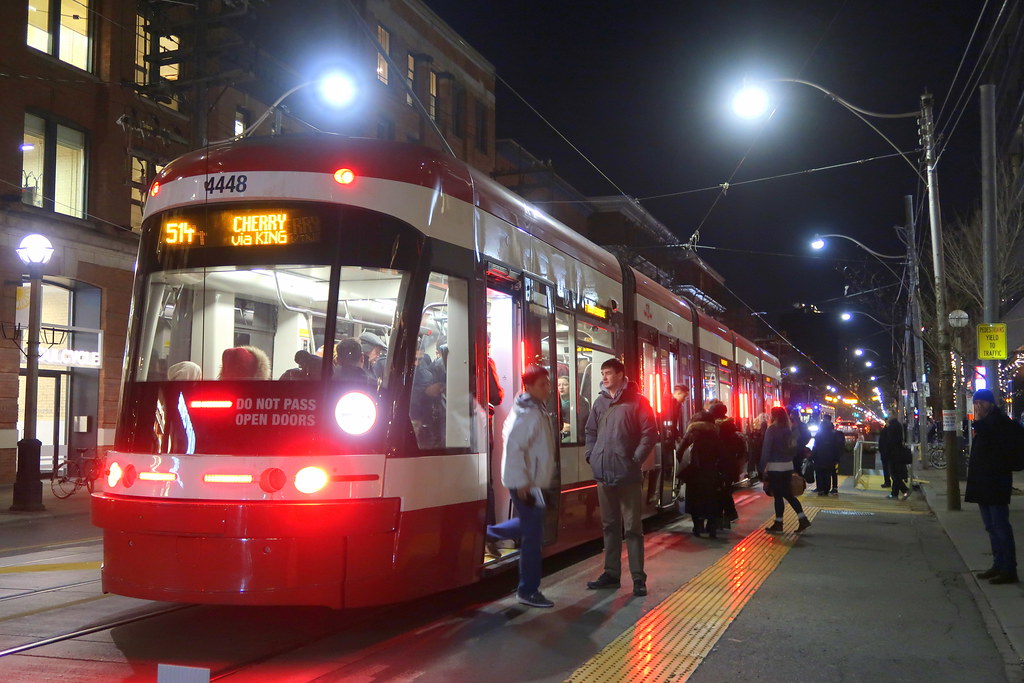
244	229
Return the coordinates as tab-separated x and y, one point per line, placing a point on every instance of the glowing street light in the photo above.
858	352
818	243
751	102
337	89
869	363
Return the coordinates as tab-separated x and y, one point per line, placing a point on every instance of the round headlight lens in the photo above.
355	413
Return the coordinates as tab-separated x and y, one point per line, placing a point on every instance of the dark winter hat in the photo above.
984	395
369	341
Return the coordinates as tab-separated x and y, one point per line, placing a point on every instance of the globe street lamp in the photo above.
750	104
35	252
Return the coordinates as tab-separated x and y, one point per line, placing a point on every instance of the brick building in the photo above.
97	98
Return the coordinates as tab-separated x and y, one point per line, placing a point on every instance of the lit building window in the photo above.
53	166
384	38
61	28
241	120
432	104
144	51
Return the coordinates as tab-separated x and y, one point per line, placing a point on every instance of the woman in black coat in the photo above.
702	474
990	482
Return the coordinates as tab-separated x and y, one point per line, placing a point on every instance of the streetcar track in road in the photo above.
48	590
73	603
71	635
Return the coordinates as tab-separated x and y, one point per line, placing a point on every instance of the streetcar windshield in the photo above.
267	322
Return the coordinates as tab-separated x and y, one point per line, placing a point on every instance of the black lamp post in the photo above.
35	252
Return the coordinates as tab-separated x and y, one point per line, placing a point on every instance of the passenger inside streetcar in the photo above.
244	362
348	361
185	371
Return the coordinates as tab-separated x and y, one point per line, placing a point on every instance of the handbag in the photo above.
808	471
686	457
797	484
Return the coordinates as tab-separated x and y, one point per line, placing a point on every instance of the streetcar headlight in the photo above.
310	479
113	474
355	413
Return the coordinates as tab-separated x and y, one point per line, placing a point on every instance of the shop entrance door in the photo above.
51	417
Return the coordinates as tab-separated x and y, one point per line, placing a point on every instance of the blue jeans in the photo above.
1000	533
528	528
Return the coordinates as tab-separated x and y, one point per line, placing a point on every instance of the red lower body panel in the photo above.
337	554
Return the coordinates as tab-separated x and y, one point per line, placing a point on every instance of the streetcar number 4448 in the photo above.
226	183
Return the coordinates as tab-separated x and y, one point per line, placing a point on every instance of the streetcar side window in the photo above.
440	406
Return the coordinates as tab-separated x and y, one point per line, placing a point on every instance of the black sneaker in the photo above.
804	523
639	588
775	528
988	573
537	599
1004	577
604	581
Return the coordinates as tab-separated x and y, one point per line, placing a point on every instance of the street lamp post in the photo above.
35	252
755	106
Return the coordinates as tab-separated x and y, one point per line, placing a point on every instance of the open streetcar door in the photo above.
538	347
520	332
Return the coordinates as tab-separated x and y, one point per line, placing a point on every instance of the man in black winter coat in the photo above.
889	442
990	482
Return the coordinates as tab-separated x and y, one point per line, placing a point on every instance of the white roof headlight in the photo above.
355	413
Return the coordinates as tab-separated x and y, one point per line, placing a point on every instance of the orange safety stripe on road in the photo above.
670	641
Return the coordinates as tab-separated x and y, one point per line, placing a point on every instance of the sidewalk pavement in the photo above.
77	504
965	529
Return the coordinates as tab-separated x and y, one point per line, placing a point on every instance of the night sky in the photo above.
644	90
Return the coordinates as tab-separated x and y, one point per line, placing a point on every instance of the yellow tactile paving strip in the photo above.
669	642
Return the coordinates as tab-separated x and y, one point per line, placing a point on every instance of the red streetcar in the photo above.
305	415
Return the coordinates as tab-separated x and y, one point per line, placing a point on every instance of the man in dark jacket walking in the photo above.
828	446
990	482
621	431
890	440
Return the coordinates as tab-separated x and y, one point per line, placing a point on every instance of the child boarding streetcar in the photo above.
254	462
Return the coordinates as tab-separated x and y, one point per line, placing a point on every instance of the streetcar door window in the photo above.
570	429
710	390
502	333
440	406
595	344
539	348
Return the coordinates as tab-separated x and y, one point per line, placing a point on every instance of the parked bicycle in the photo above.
70	476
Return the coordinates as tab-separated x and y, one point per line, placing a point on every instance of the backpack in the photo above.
1017	449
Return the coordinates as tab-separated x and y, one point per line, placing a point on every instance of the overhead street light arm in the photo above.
863	115
900	257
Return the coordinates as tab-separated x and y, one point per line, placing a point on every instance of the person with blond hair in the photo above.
777	469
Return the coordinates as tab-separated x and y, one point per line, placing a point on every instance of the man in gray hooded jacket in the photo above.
621	431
